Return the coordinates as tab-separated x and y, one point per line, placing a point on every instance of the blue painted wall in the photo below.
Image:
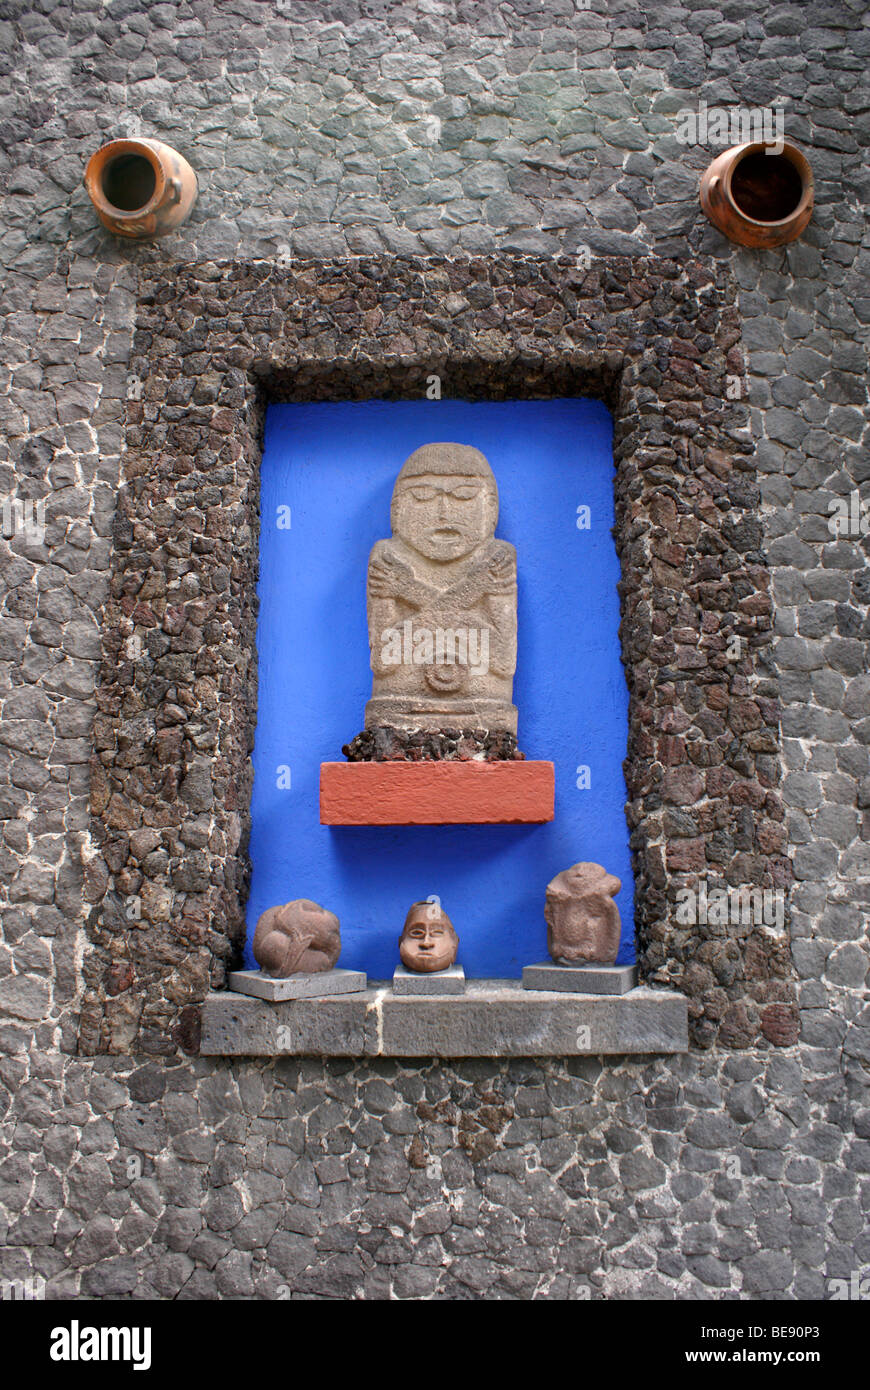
334	466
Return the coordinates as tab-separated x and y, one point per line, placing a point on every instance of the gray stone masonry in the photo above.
320	985
453	128
489	1018
580	979
449	981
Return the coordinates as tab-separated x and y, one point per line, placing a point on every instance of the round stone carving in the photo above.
301	937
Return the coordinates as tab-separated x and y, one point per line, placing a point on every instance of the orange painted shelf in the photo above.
437	793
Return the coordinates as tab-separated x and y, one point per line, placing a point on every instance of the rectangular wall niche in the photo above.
171	772
327	476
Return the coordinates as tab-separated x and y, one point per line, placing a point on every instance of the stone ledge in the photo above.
494	1018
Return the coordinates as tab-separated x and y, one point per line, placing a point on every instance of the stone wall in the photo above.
171	772
706	1177
451	130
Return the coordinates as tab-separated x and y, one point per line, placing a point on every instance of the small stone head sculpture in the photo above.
428	941
299	938
583	926
445	501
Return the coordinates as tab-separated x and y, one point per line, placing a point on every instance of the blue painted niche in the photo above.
333	466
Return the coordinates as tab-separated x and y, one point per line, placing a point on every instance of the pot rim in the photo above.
106	155
795	157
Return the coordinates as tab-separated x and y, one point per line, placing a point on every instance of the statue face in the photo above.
428	941
444	517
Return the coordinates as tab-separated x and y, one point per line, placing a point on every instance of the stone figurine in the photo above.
300	937
583	926
442	600
428	941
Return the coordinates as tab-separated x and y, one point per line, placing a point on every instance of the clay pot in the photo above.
758	199
140	188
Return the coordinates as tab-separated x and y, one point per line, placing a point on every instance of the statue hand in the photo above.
389	576
492	575
297	945
500	574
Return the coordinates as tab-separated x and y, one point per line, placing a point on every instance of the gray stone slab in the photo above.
493	1018
580	979
238	1025
501	1019
300	986
449	981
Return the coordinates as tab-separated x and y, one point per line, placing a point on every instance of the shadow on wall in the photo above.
327	478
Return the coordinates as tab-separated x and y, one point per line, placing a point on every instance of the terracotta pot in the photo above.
756	198
140	188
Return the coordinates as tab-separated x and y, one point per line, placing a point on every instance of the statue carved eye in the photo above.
427	492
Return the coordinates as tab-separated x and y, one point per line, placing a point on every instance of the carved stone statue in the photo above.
428	941
583	925
442	601
298	938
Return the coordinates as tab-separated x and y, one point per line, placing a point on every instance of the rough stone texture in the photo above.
704	1177
450	980
175	722
498	1018
580	979
241	1025
315	986
452	129
480	1018
384	744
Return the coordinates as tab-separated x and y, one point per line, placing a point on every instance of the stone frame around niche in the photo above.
658	342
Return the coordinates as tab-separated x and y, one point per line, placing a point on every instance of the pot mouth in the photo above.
127	179
766	189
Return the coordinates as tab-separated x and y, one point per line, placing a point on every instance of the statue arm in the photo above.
503	614
501	605
391	578
383	616
494	574
296	948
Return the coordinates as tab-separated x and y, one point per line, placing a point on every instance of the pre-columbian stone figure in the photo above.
299	937
442	600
